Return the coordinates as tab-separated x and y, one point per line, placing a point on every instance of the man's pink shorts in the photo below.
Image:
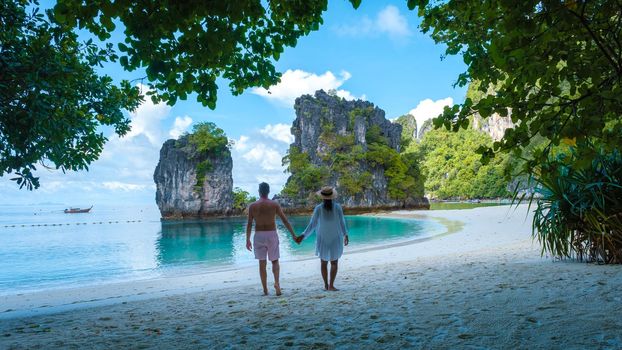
266	243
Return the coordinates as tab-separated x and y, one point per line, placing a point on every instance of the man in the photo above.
266	240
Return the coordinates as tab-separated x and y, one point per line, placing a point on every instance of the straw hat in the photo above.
327	192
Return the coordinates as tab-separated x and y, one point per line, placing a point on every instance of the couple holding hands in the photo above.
327	222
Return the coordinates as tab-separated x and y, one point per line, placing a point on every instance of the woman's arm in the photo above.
342	226
312	224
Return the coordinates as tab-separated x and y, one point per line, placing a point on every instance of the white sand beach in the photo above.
483	285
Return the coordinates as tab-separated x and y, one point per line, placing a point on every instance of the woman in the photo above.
329	224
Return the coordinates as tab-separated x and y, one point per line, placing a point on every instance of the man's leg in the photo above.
333	274
264	276
324	270
276	269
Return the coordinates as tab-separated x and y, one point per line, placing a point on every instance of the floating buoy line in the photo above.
75	223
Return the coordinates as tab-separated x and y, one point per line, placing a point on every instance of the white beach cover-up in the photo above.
330	228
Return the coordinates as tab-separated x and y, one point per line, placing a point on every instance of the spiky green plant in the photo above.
579	205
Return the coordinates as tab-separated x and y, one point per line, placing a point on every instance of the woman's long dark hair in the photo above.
328	204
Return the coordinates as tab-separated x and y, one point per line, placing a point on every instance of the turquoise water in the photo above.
41	247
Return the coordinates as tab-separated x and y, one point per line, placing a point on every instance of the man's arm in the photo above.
280	213
249	227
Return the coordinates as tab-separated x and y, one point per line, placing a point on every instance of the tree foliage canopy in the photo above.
186	46
51	100
557	65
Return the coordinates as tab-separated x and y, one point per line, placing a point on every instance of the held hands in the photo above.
346	240
298	239
249	246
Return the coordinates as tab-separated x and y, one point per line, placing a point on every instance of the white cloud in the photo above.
145	120
54	186
428	109
388	21
241	144
279	132
295	83
180	126
116	185
364	27
348	96
133	157
266	157
257	157
391	22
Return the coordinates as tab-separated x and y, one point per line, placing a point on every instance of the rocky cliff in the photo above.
409	127
425	127
495	125
192	184
352	146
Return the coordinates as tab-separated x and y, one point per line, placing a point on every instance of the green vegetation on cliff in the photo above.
241	199
307	175
344	157
453	169
206	140
402	170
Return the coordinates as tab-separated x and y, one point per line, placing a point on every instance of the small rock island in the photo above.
193	177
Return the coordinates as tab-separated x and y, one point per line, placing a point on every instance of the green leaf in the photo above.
355	3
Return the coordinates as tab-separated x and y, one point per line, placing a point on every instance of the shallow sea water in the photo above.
41	247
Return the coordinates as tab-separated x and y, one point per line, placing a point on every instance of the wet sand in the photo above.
481	285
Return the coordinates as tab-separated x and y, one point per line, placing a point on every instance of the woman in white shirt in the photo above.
331	235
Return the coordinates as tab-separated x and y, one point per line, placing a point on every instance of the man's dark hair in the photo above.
264	189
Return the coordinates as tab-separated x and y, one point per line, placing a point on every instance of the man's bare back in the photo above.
264	212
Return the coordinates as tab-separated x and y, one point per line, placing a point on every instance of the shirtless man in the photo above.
266	240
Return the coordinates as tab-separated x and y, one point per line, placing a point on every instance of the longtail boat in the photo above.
77	210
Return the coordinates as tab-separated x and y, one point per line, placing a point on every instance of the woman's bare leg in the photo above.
324	270
333	274
276	269
264	276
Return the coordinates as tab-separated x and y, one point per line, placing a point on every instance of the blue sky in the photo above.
376	53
